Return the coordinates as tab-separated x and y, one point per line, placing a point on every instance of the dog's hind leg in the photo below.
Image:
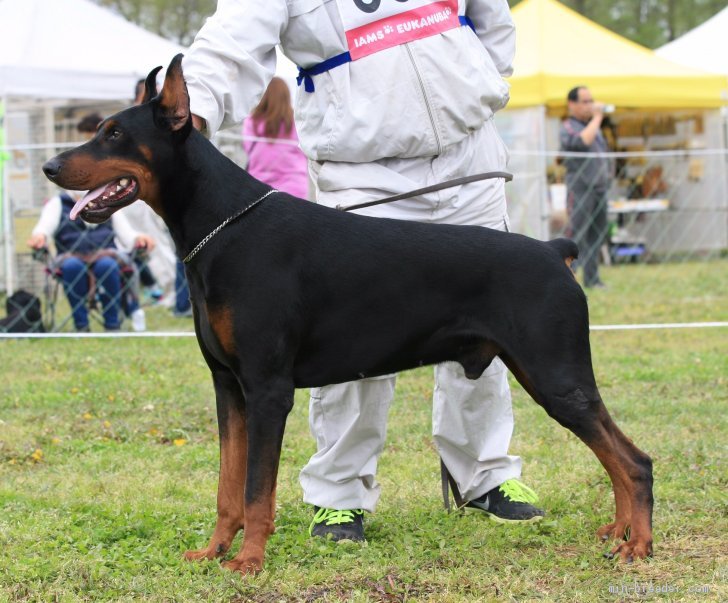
556	370
631	472
629	469
233	466
268	405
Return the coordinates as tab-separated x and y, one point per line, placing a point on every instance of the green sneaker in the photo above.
336	525
511	502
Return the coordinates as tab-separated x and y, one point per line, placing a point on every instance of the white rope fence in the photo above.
690	224
625	154
47	146
158	334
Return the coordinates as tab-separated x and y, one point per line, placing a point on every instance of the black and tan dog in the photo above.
289	294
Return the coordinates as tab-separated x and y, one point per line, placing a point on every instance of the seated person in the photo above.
182	303
89	251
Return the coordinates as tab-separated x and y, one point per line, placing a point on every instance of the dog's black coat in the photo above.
357	296
292	294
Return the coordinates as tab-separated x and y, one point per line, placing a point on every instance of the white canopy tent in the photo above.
73	49
641	85
76	49
63	53
704	47
54	53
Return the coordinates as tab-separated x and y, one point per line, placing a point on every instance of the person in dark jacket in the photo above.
588	179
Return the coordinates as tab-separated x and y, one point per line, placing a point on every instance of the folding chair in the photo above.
129	297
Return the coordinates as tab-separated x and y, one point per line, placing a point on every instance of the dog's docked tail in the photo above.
566	248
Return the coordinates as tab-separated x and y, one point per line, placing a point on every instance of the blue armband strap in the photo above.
305	76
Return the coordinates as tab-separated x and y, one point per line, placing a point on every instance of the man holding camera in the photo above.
588	179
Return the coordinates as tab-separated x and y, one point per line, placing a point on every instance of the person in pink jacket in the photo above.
271	143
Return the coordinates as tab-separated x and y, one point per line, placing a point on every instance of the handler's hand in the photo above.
144	242
199	123
37	241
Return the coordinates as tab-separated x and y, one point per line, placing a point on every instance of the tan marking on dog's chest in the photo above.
221	322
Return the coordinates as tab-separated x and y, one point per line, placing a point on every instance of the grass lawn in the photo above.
109	457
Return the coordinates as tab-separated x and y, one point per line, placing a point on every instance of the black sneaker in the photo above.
338	525
511	502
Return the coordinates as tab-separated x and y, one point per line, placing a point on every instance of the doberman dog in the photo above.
288	294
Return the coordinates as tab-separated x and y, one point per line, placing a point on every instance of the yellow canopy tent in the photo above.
557	49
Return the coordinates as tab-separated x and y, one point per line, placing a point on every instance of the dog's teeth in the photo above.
124	181
119	187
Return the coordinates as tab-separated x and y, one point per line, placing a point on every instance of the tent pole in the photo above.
5	198
545	207
724	129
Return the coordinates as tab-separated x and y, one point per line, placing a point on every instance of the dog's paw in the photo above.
635	548
246	566
209	553
614	531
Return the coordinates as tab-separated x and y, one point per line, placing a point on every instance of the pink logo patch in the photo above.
407	26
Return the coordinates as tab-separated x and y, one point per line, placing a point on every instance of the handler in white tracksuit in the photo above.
402	114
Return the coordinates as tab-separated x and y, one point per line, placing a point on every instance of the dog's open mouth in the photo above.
98	205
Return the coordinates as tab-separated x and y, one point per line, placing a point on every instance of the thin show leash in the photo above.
420	191
430	189
415	193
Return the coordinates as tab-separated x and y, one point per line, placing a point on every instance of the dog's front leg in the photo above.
266	418
233	466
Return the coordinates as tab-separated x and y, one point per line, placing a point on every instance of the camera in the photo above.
608	109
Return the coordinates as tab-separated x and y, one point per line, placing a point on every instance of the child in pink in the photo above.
271	143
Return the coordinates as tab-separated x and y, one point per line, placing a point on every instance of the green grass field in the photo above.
109	456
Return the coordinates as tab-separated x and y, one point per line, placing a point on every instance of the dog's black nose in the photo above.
52	168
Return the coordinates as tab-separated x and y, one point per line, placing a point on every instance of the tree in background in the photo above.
651	23
176	20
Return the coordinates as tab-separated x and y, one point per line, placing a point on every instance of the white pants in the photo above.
472	421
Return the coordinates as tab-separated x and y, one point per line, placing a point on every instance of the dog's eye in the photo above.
113	134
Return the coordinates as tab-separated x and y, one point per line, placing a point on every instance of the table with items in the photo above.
622	243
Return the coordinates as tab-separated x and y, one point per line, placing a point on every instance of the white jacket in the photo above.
412	100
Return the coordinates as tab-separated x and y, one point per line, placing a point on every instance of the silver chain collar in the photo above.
235	216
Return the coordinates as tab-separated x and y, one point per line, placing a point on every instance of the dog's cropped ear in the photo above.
173	111
150	85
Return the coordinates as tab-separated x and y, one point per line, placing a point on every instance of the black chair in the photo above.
51	322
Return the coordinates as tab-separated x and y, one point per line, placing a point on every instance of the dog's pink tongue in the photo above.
87	198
